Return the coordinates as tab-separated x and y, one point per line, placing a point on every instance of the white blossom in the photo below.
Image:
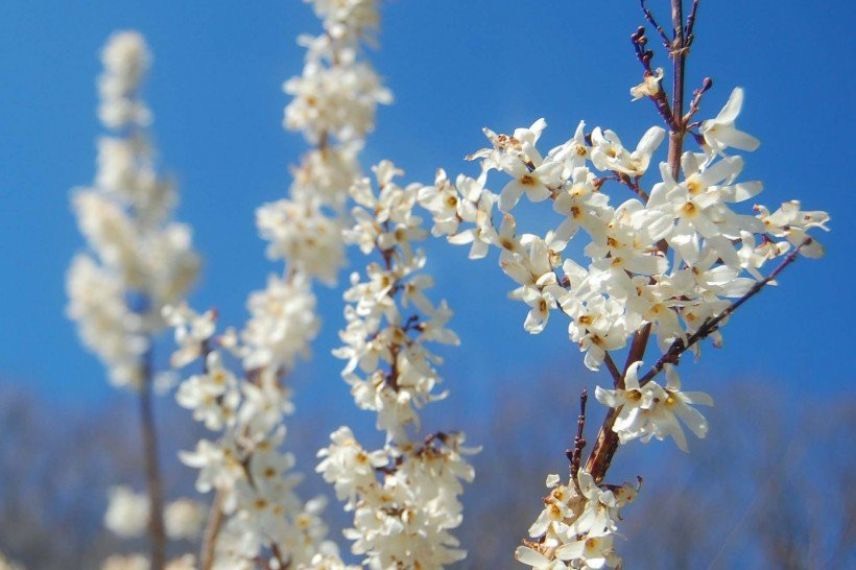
127	512
138	260
721	133
184	518
653	411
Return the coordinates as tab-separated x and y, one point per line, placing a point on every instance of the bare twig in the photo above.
617	376
667	42
212	532
706	84
575	454
157	534
691	20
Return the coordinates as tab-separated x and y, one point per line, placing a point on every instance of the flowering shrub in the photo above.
670	250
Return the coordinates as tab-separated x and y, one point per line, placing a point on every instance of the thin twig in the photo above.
667	42
633	184
157	534
617	376
575	454
212	532
691	20
706	84
660	98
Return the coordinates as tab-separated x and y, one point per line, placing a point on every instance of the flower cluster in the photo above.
334	105
405	495
670	258
653	411
577	527
672	261
139	260
253	479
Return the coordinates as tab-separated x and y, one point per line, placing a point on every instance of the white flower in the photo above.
302	234
126	59
608	153
535	183
790	222
193	332
649	87
595	551
183	518
652	411
721	133
282	323
339	99
127	512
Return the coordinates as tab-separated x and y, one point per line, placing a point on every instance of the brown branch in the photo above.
157	533
667	42
212	532
633	184
283	562
617	376
691	20
574	455
706	84
678	54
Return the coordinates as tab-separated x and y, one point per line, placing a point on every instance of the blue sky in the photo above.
454	67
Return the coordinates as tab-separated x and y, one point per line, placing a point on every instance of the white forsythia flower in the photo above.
721	133
184	518
126	60
653	411
405	495
265	520
625	280
127	512
577	526
138	259
665	262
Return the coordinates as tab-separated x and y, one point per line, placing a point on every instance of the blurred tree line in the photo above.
773	485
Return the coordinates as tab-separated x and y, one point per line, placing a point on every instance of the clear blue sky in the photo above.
454	67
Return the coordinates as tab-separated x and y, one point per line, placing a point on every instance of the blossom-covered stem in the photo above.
212	532
157	534
607	440
215	513
710	326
